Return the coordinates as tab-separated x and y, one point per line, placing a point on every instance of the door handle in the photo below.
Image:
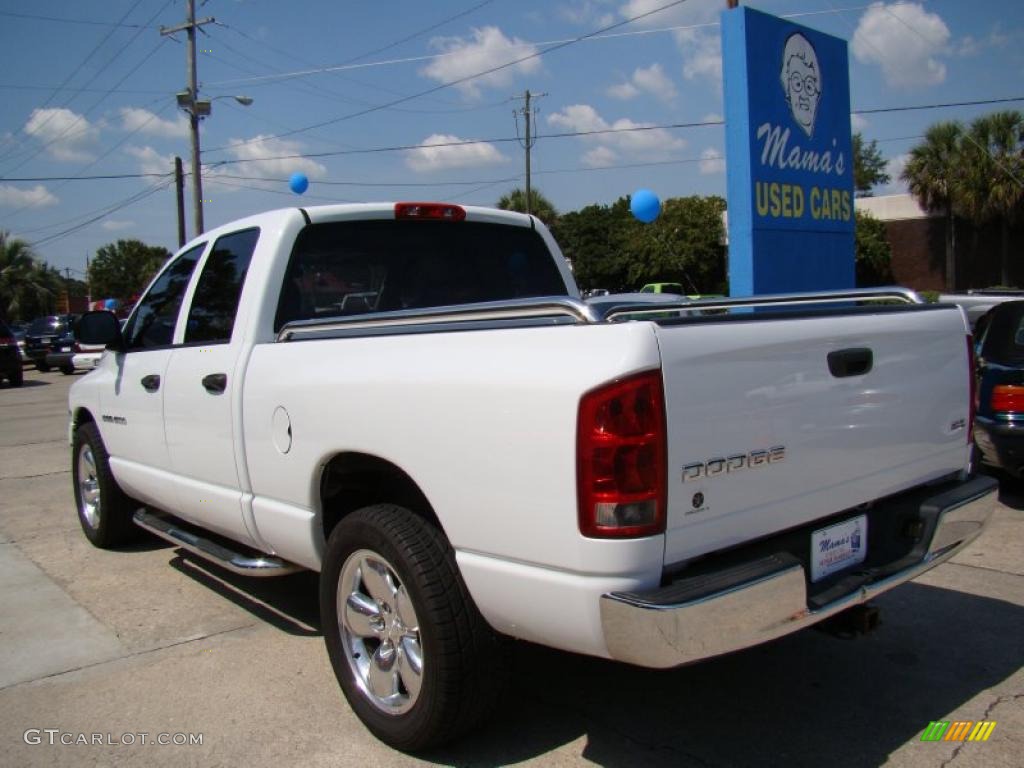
850	362
150	383
215	383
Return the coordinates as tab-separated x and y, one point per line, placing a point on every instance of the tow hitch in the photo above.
858	620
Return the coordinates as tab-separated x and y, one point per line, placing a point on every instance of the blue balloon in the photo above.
110	304
298	183
645	205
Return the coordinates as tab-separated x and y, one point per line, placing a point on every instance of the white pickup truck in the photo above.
413	400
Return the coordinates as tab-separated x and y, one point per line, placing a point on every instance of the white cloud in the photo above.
427	158
894	168
697	35
589	13
66	134
151	161
271	157
711	161
35	197
115	226
652	80
487	48
599	157
624	91
713	117
144	121
858	123
905	40
702	54
648	143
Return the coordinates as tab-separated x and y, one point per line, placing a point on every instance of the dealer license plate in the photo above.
838	546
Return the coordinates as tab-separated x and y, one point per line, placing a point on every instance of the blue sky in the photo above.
86	97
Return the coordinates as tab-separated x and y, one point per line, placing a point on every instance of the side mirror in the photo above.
100	327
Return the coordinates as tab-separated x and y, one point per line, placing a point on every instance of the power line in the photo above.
467	78
84	178
73	21
575	134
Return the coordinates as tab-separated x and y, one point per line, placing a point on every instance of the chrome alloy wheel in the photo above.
380	632
88	486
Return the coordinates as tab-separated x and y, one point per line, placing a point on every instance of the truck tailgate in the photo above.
765	433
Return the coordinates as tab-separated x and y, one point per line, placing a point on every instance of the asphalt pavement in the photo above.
148	657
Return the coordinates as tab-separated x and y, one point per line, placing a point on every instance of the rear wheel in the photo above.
67	370
17	377
413	656
44	367
104	511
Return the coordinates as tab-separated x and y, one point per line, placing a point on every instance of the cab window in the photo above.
152	323
212	316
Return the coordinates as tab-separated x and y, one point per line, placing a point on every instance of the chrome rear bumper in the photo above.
768	597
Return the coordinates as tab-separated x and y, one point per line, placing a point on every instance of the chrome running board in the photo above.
236	562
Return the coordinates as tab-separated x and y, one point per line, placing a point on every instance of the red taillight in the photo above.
1008	398
620	459
76	347
5	340
430	211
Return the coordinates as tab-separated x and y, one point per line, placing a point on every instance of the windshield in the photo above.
44	325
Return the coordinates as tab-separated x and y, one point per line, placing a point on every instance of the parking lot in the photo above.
115	645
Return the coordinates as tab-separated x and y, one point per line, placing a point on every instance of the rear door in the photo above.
202	391
777	421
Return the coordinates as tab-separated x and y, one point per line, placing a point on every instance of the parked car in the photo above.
999	366
68	355
675	288
480	453
41	334
10	359
19	336
977	303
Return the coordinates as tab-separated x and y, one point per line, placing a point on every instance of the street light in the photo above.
198	109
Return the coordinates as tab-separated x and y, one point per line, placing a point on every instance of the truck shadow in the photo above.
803	700
290	603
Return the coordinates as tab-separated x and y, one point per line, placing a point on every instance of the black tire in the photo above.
17	377
463	661
67	370
106	518
44	367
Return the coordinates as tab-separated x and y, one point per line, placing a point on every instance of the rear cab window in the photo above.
361	267
211	318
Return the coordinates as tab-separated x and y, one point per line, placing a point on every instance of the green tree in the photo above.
27	286
593	238
122	269
934	175
992	176
868	166
873	252
610	249
540	206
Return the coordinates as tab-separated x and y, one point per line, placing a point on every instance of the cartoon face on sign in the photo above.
801	80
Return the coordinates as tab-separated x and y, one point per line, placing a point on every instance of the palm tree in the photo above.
993	175
24	283
540	206
933	176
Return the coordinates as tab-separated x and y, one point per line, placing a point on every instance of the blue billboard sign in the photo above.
789	156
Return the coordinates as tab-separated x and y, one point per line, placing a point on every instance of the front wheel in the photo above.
67	370
413	656
104	510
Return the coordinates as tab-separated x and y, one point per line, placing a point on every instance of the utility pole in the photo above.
179	186
529	116
189	102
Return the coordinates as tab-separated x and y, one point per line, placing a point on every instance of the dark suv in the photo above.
41	334
10	358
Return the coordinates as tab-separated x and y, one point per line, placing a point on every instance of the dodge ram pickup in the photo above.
412	400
